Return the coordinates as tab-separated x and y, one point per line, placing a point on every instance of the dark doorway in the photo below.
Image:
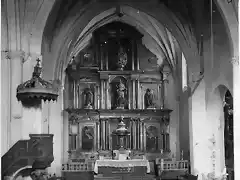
228	135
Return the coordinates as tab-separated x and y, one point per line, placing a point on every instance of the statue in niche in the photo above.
148	99
88	98
152	138
87	61
87	138
122	59
121	101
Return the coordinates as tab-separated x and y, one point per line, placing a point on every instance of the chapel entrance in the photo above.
228	135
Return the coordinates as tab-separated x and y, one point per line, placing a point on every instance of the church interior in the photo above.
126	90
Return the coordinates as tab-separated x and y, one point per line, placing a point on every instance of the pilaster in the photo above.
200	132
5	98
56	128
236	113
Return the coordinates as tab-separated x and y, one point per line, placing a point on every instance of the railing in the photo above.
38	150
165	165
78	167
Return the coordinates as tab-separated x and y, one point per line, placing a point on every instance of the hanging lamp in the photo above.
37	89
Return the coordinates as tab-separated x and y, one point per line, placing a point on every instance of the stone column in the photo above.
130	139
137	134
98	135
133	94
77	93
104	134
141	135
98	97
107	94
95	97
129	96
161	87
5	97
101	58
138	63
106	61
102	93
17	59
199	141
16	78
56	128
74	94
109	136
142	97
133	54
134	134
134	90
138	91
165	73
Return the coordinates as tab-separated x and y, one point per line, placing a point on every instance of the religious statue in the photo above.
151	138
88	98
122	58
148	98
87	138
121	101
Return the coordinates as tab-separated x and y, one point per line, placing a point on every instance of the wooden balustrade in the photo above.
78	167
173	167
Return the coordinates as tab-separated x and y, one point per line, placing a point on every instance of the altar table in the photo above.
122	165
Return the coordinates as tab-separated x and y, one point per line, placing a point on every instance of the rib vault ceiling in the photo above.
71	23
156	35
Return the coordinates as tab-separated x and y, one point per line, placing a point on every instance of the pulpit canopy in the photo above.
37	88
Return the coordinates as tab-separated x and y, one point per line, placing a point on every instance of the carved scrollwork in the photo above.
165	120
39	174
235	61
6	55
74	117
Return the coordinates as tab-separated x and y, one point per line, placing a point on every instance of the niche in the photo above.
119	94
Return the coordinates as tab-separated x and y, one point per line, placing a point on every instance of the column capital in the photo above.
5	55
19	54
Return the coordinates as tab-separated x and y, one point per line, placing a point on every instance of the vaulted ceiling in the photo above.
194	12
79	18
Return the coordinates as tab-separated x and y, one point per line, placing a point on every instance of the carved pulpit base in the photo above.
39	174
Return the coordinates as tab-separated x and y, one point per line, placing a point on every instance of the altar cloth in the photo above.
121	163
